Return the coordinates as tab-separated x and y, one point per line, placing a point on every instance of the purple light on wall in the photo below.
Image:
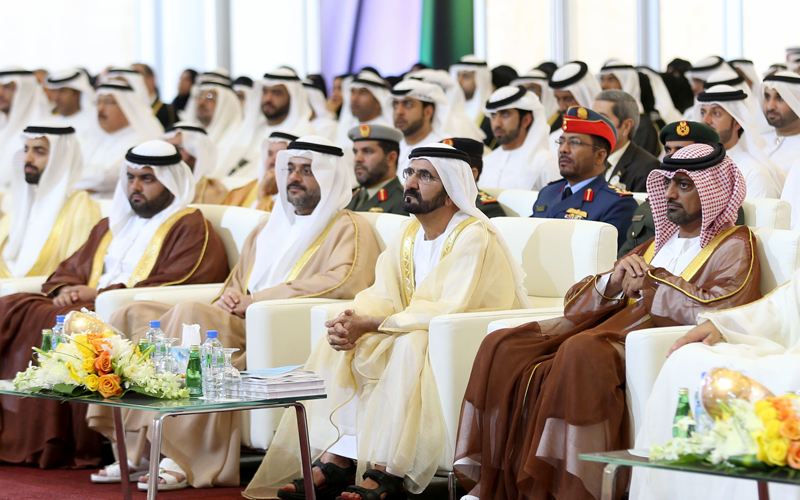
387	38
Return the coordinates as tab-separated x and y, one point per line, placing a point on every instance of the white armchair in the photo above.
232	224
646	350
515	202
277	333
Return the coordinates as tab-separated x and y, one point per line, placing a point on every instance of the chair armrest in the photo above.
645	355
277	335
453	342
31	284
108	302
322	313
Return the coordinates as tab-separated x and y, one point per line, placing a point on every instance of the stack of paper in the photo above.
278	383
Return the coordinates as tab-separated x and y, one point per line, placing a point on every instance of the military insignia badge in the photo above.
582	113
683	129
588	195
541	208
364	131
382	196
376	209
449	142
574	213
564	126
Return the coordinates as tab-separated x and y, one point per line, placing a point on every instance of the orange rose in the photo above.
97	344
103	363
109	385
793	457
785	413
790	429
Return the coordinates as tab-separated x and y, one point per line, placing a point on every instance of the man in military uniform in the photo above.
376	149
674	136
474	149
586	140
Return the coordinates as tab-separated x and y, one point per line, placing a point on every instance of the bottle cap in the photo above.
47	331
682	392
60	318
212	334
155	324
194	348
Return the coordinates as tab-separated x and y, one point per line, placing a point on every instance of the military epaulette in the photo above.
555	181
486	198
616	190
355	191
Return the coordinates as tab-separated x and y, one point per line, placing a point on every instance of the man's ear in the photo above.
526	120
601	156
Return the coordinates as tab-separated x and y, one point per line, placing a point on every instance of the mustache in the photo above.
408	193
31	165
297	185
674	204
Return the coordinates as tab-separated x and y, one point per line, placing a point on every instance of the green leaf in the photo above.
68	390
749	462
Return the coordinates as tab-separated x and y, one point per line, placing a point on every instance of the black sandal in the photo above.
336	480
391	485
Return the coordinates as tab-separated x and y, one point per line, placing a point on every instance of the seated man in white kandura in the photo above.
760	340
383	408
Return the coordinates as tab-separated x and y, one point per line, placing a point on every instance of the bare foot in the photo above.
368	484
319	477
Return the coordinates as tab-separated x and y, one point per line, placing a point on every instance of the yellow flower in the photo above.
761	454
88	365
82	341
777	450
92	382
108	334
773	429
72	373
768	414
763	405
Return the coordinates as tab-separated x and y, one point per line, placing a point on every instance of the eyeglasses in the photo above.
107	102
424	176
574	144
304	171
209	96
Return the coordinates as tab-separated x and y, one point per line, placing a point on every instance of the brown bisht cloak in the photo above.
48	433
544	392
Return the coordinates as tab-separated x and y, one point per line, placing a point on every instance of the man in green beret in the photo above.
376	149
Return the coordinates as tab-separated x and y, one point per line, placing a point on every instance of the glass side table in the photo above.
616	459
190	406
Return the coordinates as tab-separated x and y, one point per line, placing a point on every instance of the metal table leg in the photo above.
609	481
305	451
763	491
155	455
122	453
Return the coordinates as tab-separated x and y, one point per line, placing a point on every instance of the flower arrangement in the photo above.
762	434
96	360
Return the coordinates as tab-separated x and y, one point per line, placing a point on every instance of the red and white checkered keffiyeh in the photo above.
721	188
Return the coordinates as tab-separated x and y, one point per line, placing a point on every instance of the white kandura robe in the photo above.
763	344
102	156
400	422
510	170
783	150
756	176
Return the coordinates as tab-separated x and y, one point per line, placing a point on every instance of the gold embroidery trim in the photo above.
251	196
52	242
350	272
99	257
701	259
580	291
148	260
201	186
451	238
407	261
310	251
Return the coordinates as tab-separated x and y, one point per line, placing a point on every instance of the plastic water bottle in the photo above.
210	365
155	336
194	380
704	421
58	332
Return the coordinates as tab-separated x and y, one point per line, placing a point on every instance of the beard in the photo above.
148	208
413	127
32	178
422	207
305	201
510	137
681	217
726	135
372	176
278	113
